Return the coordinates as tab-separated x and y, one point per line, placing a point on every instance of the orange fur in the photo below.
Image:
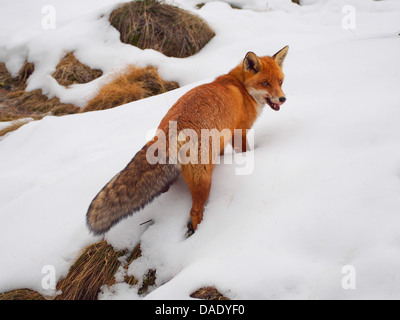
232	101
225	103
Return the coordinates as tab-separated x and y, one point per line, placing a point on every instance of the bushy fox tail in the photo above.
129	191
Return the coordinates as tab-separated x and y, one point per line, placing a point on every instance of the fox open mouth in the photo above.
274	106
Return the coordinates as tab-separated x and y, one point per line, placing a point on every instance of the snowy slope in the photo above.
324	192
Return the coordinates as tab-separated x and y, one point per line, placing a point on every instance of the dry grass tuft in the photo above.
136	253
152	24
7	82
22	104
149	279
35	102
25	71
130	85
208	293
16	103
95	267
71	71
21	294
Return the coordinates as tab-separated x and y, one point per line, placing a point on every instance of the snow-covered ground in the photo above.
324	192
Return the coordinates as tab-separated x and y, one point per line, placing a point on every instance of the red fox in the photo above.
232	101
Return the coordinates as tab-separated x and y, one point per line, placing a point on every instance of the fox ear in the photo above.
251	63
280	56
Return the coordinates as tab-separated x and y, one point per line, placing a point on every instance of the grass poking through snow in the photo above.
152	24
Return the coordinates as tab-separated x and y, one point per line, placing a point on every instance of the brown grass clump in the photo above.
7	82
16	103
95	267
21	294
208	293
136	253
34	103
149	279
25	71
152	24
71	71
130	85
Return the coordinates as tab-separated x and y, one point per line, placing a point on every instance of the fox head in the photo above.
263	78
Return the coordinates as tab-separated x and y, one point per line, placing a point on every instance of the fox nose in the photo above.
282	99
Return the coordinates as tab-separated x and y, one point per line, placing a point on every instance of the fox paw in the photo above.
189	231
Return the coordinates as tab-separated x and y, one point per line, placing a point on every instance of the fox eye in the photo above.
265	83
280	82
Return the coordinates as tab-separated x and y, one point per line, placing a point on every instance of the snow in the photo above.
325	188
